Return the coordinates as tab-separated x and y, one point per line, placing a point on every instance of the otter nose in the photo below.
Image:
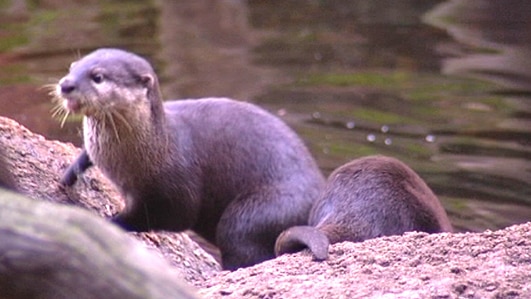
67	86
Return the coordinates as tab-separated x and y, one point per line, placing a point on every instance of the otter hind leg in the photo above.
241	244
246	254
248	228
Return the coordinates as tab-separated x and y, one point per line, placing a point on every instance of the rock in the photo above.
54	251
417	265
37	165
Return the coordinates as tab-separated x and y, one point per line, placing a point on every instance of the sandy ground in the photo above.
470	265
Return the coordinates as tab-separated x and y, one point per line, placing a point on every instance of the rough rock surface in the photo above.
466	265
37	165
417	265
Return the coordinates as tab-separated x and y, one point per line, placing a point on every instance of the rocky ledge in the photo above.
417	265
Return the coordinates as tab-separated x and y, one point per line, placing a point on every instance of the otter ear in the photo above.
147	80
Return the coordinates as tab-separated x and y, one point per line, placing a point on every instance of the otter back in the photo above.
368	198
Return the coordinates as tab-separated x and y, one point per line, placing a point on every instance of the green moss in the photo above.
462	86
349	150
414	86
432	87
12	41
14	73
131	17
379	116
4	3
368	79
21	33
456	204
497	103
418	150
371	79
44	17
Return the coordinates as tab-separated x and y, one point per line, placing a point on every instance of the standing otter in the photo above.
364	199
230	171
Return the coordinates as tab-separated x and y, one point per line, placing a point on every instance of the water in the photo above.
442	86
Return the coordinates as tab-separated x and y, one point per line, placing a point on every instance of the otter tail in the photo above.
299	237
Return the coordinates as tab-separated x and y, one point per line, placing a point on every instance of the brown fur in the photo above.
364	199
228	170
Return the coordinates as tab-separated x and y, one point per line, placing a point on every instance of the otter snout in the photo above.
66	88
66	85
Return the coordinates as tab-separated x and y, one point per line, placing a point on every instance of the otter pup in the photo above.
364	199
230	171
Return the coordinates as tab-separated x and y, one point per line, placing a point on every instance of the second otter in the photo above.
228	170
367	198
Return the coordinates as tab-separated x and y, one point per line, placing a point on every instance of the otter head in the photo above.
107	82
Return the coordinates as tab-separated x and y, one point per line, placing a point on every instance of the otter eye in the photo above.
96	78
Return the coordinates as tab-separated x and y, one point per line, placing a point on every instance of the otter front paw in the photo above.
69	178
77	168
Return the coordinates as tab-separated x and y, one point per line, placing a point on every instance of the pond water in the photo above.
442	85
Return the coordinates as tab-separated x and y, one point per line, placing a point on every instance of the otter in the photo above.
366	198
228	170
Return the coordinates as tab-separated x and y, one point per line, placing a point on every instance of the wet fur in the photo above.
364	199
228	170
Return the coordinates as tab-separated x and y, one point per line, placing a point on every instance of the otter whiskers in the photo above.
113	125
123	120
58	110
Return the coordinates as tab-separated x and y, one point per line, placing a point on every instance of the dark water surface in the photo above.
443	86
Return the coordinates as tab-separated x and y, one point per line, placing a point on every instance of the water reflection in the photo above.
207	49
495	40
354	78
494	43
